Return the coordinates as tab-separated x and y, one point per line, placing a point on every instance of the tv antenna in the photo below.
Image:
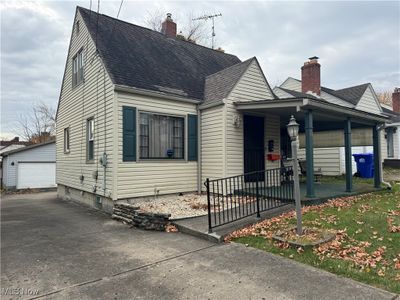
212	17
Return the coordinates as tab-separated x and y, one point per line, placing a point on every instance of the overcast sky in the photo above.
357	42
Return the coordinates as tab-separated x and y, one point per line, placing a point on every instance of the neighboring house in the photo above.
6	146
331	159
15	143
393	131
30	167
142	113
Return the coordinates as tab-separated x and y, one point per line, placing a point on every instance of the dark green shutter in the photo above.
129	133
192	138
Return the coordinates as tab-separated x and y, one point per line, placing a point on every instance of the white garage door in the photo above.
36	175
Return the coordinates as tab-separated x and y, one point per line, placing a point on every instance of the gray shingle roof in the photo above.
220	84
394	116
138	57
351	94
27	148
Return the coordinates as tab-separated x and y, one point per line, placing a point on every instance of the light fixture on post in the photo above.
293	132
293	129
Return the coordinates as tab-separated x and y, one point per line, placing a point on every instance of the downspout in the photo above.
199	164
389	186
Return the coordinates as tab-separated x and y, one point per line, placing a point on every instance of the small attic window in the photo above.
78	27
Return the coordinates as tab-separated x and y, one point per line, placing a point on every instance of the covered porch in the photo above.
316	115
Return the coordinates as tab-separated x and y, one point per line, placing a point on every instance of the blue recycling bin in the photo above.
365	164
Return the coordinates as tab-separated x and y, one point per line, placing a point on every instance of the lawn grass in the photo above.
376	262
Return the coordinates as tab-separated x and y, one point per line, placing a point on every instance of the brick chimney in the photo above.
396	100
168	27
311	76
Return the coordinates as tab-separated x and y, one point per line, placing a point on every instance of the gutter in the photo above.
389	186
305	103
199	162
128	89
212	104
345	110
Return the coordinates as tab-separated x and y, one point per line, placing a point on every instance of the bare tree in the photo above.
39	125
385	97
195	30
190	30
154	19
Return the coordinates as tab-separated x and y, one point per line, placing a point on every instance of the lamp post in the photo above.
293	132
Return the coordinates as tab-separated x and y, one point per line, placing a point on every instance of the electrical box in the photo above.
103	160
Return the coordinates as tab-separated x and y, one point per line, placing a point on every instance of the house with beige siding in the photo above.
145	114
329	155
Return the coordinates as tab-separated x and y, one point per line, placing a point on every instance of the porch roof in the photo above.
327	115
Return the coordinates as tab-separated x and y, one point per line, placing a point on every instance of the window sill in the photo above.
90	162
67	152
74	87
159	160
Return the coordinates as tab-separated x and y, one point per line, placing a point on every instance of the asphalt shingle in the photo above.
220	84
138	57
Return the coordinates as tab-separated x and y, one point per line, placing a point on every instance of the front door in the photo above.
254	160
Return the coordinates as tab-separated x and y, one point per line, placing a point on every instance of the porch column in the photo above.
377	156
347	150
309	153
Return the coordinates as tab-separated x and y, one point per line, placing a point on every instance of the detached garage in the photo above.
30	167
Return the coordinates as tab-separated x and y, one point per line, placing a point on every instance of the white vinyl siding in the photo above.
332	99
93	98
252	86
369	103
396	142
281	93
291	84
147	176
328	159
213	142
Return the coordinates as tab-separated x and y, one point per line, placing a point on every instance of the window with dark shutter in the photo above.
129	133
192	138
161	136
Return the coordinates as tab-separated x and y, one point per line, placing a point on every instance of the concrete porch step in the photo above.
198	226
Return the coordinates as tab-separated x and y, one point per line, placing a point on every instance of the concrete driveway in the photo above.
56	249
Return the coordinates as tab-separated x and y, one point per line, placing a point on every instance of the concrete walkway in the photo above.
65	251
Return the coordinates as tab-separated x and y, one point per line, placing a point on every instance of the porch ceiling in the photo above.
327	116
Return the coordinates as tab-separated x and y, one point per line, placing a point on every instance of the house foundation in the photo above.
90	199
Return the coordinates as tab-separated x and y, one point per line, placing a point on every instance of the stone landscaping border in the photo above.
131	214
326	237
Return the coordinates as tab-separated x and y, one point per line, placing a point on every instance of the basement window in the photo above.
77	68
